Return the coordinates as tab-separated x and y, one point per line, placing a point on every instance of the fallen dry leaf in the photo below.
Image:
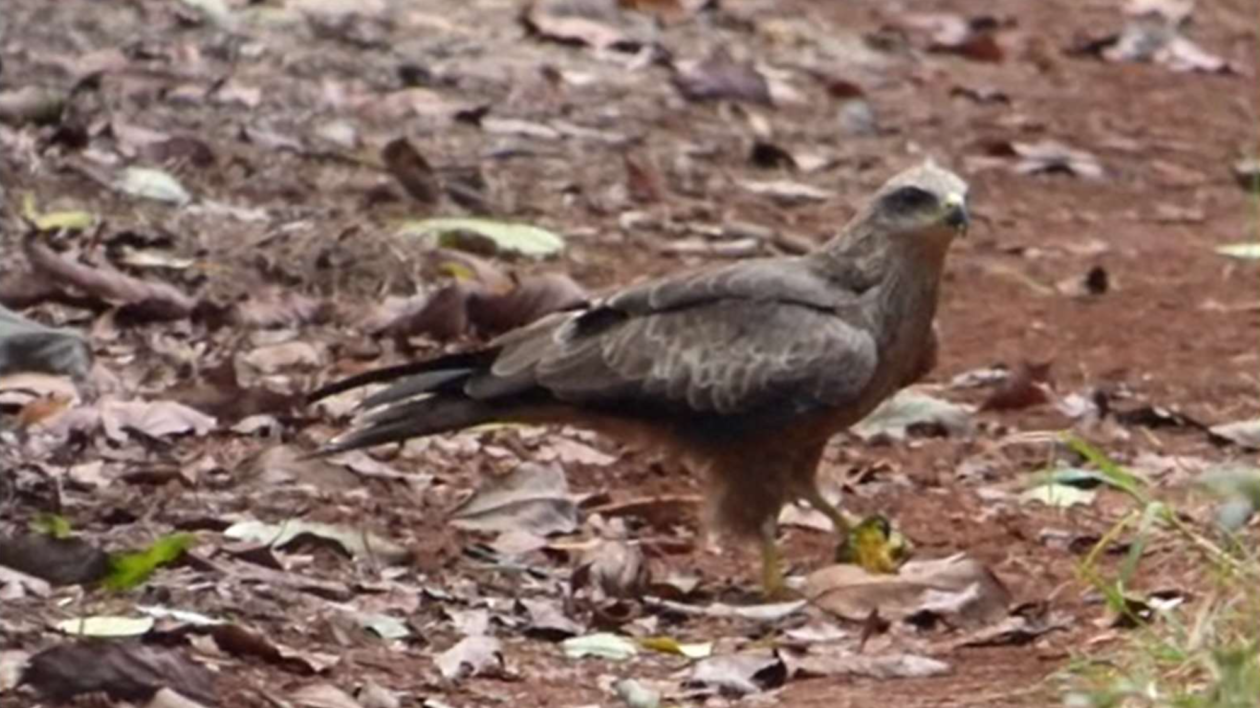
837	661
60	561
719	77
531	299
145	300
598	24
156	419
477	655
739	674
412	171
124	671
1049	156
617	569
1023	388
960	589
533	498
27	346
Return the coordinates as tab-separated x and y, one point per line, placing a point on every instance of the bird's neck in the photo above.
906	274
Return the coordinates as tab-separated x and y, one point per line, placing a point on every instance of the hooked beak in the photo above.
956	213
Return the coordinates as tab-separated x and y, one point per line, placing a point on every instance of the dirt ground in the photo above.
1176	326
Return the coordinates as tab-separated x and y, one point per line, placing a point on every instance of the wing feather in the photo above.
727	356
727	340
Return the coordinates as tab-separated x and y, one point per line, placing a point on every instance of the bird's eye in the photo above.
908	199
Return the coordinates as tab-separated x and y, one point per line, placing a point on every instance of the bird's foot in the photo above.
774	587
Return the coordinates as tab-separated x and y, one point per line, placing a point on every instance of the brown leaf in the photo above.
237	640
616	568
155	419
720	78
661	512
220	395
643	180
275	307
412	171
957	587
42	409
32	104
125	671
972	38
534	297
768	155
443	316
1024	388
583	24
1048	156
156	300
60	561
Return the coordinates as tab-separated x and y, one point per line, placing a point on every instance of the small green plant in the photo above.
1174	658
129	570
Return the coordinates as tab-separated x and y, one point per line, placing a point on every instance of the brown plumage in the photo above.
744	370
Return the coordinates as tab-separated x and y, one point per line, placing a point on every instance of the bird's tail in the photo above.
424	398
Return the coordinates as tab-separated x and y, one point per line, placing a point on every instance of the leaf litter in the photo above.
213	227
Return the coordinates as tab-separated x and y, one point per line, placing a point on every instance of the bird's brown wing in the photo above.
725	356
726	340
732	340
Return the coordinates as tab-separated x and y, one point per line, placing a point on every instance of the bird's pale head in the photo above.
925	203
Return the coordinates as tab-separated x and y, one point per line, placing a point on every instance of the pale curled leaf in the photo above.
106	626
12	664
322	695
836	661
195	619
152	184
356	542
1242	251
487	235
156	419
477	655
739	674
603	645
637	695
910	409
1059	495
787	191
547	620
532	498
959	587
1244	433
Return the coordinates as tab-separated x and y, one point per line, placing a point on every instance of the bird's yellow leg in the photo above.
814	498
772	583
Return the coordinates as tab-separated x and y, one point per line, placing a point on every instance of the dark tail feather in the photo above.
467	362
427	416
425	398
